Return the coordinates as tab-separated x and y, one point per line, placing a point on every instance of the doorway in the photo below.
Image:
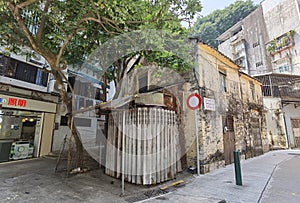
228	139
18	134
296	131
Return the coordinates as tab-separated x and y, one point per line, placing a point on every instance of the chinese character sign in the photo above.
13	102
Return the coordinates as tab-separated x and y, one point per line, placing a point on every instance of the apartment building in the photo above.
266	45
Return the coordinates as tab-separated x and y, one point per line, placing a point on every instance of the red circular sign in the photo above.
194	101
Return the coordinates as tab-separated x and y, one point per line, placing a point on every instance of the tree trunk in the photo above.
71	123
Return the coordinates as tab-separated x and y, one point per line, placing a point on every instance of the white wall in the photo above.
275	121
291	112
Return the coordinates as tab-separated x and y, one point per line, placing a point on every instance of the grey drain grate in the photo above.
146	195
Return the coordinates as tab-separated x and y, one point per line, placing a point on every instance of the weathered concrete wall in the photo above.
226	48
251	135
228	102
212	152
280	17
256	36
269	21
189	129
275	123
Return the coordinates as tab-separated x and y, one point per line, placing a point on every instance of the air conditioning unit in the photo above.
37	59
53	87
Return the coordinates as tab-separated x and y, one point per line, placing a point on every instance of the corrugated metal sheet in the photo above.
151	152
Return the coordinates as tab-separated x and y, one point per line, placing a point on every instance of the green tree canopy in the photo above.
208	28
65	32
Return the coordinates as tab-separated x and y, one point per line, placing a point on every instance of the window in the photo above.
98	94
223	81
266	90
41	78
284	68
229	124
255	44
143	83
252	91
64	121
24	72
82	122
89	103
259	64
241	62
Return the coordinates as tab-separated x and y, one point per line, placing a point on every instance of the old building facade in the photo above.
231	117
267	40
27	110
266	43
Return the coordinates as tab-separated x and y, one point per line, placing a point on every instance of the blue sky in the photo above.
211	5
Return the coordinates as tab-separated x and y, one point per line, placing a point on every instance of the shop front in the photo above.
26	127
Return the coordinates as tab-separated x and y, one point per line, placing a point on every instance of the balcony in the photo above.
281	43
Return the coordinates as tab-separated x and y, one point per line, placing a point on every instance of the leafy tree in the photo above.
64	32
211	26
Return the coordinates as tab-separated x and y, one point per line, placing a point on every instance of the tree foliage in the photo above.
211	26
65	32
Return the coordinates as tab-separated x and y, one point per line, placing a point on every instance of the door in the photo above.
296	131
256	136
228	140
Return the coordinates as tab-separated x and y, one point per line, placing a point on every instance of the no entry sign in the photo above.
194	101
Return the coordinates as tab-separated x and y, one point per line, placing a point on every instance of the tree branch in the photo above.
58	26
148	21
96	10
97	21
16	14
66	79
26	3
43	21
62	49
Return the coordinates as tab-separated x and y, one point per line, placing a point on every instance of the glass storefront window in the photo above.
18	128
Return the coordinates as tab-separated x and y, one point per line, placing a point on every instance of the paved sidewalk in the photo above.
220	184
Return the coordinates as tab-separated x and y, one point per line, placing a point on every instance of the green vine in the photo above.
279	43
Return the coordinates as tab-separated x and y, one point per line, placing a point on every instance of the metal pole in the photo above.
237	167
197	142
123	155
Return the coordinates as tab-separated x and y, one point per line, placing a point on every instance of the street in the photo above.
269	178
284	185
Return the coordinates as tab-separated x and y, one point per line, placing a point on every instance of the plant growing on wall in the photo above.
281	42
271	46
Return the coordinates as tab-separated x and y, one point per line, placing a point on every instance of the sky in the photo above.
210	5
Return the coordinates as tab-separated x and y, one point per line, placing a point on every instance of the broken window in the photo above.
223	86
143	83
252	91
